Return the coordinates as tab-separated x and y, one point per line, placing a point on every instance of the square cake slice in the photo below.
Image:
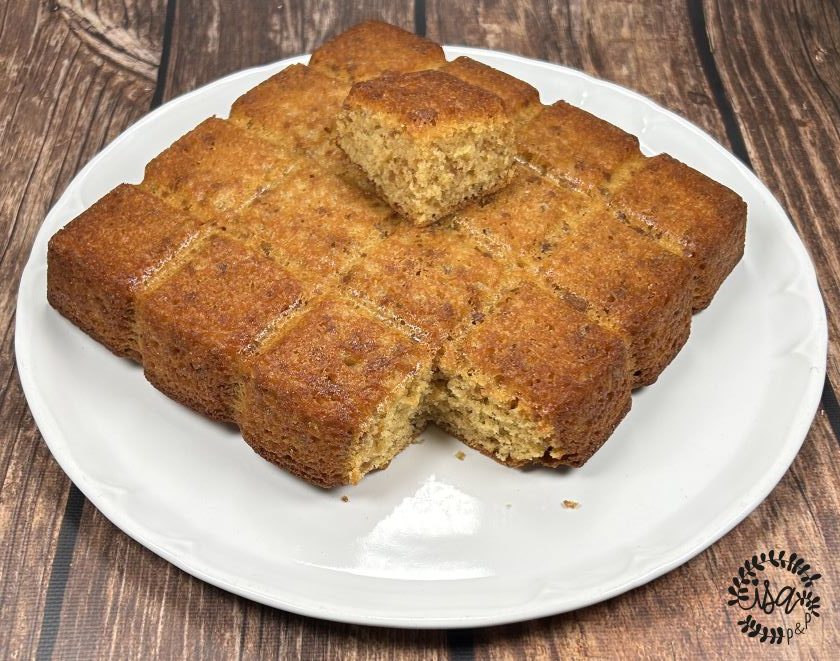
215	169
369	49
576	148
686	210
313	222
198	323
515	221
428	141
335	394
535	381
97	263
295	108
432	279
522	101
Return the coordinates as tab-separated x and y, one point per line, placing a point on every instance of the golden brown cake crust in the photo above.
629	281
295	108
258	284
96	263
704	218
428	141
329	390
521	100
570	373
425	99
215	169
431	278
313	222
371	48
197	325
574	147
516	220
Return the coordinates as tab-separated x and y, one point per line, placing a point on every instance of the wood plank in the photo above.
138	605
788	106
569	34
124	602
652	48
64	94
213	39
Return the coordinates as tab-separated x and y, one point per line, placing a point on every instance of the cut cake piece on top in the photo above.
295	108
686	210
535	381
432	279
522	101
313	222
199	322
215	169
428	141
369	49
100	260
335	394
574	147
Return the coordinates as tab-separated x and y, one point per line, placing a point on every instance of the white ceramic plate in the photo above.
434	541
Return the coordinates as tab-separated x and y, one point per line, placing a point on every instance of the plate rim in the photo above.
798	428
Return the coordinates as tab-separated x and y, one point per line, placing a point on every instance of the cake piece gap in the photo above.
198	324
314	223
215	169
688	212
432	279
576	148
428	141
521	100
623	279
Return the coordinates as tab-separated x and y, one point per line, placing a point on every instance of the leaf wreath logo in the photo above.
752	590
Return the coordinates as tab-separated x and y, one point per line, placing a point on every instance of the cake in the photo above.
216	168
261	277
313	222
349	386
501	392
432	280
573	147
371	48
99	262
295	108
521	100
428	141
687	211
623	279
197	325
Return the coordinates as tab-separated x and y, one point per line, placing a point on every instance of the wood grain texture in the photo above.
803	131
78	71
62	97
213	39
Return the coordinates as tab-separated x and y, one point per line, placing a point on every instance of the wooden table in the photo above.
762	77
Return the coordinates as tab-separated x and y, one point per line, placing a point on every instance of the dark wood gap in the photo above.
420	17
163	68
737	144
60	572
